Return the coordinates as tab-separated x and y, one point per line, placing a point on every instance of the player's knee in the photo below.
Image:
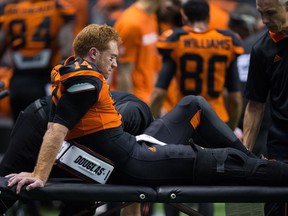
199	101
190	99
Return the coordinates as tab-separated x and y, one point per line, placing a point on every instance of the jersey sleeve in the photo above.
232	81
80	90
238	45
257	86
166	74
72	107
168	41
80	83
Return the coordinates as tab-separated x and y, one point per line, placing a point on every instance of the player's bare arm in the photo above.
252	121
52	142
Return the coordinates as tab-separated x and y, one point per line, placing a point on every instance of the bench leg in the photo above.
185	209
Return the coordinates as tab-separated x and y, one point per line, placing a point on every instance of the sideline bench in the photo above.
75	190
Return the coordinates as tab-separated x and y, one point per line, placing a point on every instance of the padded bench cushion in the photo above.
69	190
186	194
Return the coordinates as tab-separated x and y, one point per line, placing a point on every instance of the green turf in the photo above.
219	210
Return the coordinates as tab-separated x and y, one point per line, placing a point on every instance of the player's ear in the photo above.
93	53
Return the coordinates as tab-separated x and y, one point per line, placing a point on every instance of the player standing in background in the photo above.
139	61
38	34
268	82
169	17
82	16
246	21
203	61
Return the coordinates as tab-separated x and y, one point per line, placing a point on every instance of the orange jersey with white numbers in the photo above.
101	115
202	61
32	28
139	33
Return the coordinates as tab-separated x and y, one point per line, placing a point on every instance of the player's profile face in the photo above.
108	59
274	14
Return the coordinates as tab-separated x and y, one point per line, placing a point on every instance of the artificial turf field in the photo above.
219	210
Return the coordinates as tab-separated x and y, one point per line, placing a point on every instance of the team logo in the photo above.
277	58
153	149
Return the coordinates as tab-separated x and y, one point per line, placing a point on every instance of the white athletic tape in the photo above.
150	139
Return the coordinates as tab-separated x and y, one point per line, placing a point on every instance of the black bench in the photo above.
75	190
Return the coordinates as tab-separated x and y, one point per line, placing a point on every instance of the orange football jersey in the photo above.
202	61
32	28
139	33
93	120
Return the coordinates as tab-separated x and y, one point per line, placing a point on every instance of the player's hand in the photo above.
22	179
23	174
